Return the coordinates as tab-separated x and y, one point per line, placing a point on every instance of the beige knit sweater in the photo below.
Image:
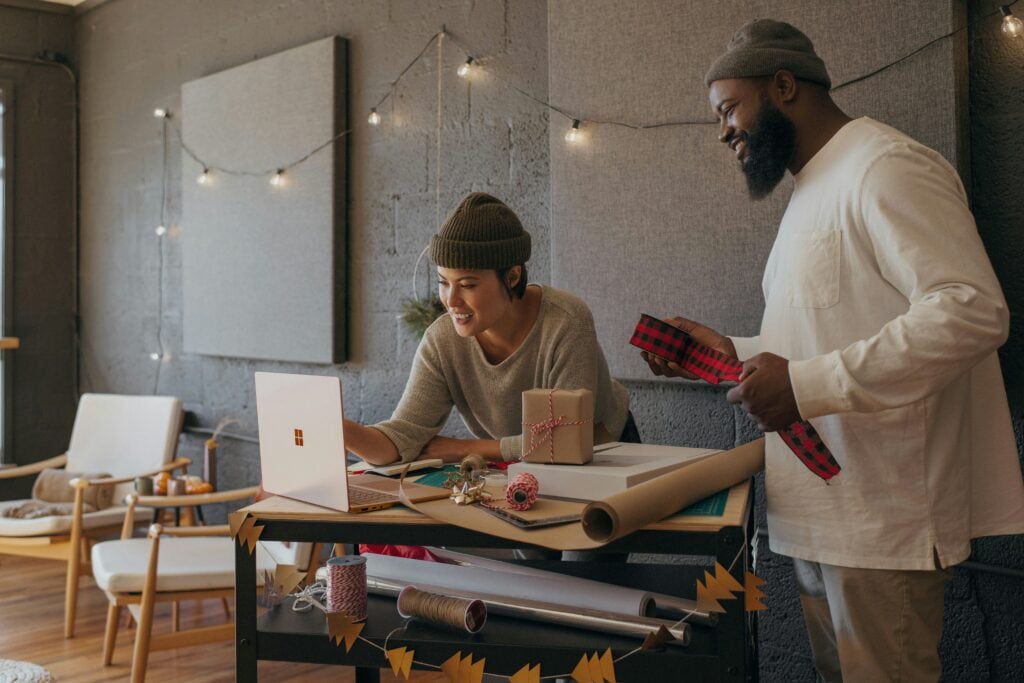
560	352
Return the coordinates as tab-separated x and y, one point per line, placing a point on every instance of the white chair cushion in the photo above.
185	564
46	526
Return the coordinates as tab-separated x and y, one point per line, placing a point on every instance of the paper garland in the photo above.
526	675
340	626
753	594
244	529
287	578
595	668
401	661
656	639
722	586
461	669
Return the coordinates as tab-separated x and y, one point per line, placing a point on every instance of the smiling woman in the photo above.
500	337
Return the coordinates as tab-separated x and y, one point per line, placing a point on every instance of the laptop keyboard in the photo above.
361	496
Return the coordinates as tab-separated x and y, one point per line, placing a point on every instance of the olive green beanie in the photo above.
764	46
482	233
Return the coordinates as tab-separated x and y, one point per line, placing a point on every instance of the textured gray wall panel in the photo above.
259	274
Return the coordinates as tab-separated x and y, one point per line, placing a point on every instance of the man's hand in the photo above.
766	393
704	335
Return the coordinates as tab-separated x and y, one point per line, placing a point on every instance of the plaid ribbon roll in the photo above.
669	342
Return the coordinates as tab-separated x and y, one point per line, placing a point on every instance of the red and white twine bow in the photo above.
539	431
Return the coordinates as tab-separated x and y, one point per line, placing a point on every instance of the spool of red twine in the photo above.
346	586
521	493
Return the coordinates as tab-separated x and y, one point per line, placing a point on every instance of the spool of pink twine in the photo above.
521	493
346	586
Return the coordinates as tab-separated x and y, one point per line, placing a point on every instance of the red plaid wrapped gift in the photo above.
671	343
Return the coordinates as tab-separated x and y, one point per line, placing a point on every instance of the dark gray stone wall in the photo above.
990	605
41	239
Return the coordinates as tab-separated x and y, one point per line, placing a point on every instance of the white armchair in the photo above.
175	564
125	436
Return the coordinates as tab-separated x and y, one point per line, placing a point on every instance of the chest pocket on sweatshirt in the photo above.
813	277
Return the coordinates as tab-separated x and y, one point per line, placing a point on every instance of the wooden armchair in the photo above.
175	564
125	436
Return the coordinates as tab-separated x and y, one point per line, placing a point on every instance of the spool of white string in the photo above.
346	586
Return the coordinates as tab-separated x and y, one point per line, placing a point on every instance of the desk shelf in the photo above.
506	643
726	652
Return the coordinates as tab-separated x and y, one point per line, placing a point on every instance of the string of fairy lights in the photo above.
579	125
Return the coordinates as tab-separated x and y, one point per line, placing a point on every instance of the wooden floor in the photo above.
31	629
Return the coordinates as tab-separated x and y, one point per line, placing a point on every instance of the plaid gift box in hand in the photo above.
671	343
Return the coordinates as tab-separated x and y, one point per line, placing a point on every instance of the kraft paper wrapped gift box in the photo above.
558	426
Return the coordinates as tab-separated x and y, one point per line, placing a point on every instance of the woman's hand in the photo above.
454	450
702	334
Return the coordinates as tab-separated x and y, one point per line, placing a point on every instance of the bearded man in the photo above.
882	318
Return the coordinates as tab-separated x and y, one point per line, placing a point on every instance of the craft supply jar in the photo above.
144	486
176	487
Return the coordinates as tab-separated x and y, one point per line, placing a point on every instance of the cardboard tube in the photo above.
625	512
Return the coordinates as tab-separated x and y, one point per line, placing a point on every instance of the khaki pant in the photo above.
872	625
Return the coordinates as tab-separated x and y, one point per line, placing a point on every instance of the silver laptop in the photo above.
302	447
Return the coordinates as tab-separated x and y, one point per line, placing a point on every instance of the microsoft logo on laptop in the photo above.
298	437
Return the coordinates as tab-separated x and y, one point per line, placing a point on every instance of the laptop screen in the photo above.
302	442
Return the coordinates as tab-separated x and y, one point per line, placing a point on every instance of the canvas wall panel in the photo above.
264	270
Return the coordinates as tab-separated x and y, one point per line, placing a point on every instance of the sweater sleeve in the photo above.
424	406
915	216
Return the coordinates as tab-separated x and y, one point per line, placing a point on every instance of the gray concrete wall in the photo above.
135	54
41	239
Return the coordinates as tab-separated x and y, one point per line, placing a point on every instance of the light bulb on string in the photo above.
574	133
160	230
374	118
204	177
1012	26
155	356
161	113
277	180
466	68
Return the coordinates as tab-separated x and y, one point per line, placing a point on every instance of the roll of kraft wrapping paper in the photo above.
669	342
629	510
566	591
680	606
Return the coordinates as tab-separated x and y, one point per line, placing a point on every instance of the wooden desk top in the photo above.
286	509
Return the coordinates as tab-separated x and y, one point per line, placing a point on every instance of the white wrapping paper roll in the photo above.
566	591
681	606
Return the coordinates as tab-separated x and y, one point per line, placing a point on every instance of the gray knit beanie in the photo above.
764	46
482	233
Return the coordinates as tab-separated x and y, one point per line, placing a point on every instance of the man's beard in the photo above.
770	147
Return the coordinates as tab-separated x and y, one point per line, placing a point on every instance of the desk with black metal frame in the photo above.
727	652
